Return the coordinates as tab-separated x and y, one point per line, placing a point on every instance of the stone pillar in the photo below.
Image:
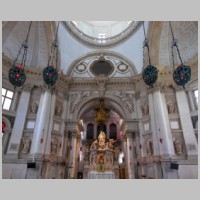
41	125
5	139
78	140
49	123
191	100
130	159
13	106
108	130
20	120
62	130
161	131
186	123
72	158
95	131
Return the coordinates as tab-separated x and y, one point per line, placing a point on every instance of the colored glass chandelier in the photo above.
182	73
50	74
16	75
150	73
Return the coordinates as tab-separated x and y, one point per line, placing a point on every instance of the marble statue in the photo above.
178	145
170	107
145	109
58	110
26	144
34	108
149	148
54	145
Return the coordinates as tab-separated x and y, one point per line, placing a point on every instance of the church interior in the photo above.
99	100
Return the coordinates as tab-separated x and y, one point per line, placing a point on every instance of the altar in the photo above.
101	175
102	160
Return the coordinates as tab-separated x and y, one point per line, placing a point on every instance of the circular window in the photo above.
102	67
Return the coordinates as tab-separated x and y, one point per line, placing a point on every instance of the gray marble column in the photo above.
130	158
186	123
41	125
20	119
5	139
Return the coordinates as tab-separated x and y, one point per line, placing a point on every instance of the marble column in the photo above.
49	124
72	158
186	123
191	100
130	157
20	119
15	99
62	151
41	125
5	139
161	131
78	140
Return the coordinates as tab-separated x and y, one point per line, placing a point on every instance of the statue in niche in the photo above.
58	111
26	141
145	109
54	145
178	145
149	147
170	107
34	108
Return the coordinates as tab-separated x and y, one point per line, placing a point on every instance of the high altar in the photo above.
102	157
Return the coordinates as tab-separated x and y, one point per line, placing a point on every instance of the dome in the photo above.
101	33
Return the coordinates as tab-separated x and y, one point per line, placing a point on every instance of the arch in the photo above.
114	104
105	53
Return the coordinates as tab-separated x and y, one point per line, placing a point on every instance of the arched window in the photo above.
90	131
113	131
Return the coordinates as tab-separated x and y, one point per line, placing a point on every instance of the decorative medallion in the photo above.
122	67
81	68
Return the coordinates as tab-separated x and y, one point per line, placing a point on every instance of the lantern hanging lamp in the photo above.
16	75
182	73
50	74
150	73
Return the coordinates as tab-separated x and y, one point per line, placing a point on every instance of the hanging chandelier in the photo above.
101	115
50	74
16	75
182	73
150	73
